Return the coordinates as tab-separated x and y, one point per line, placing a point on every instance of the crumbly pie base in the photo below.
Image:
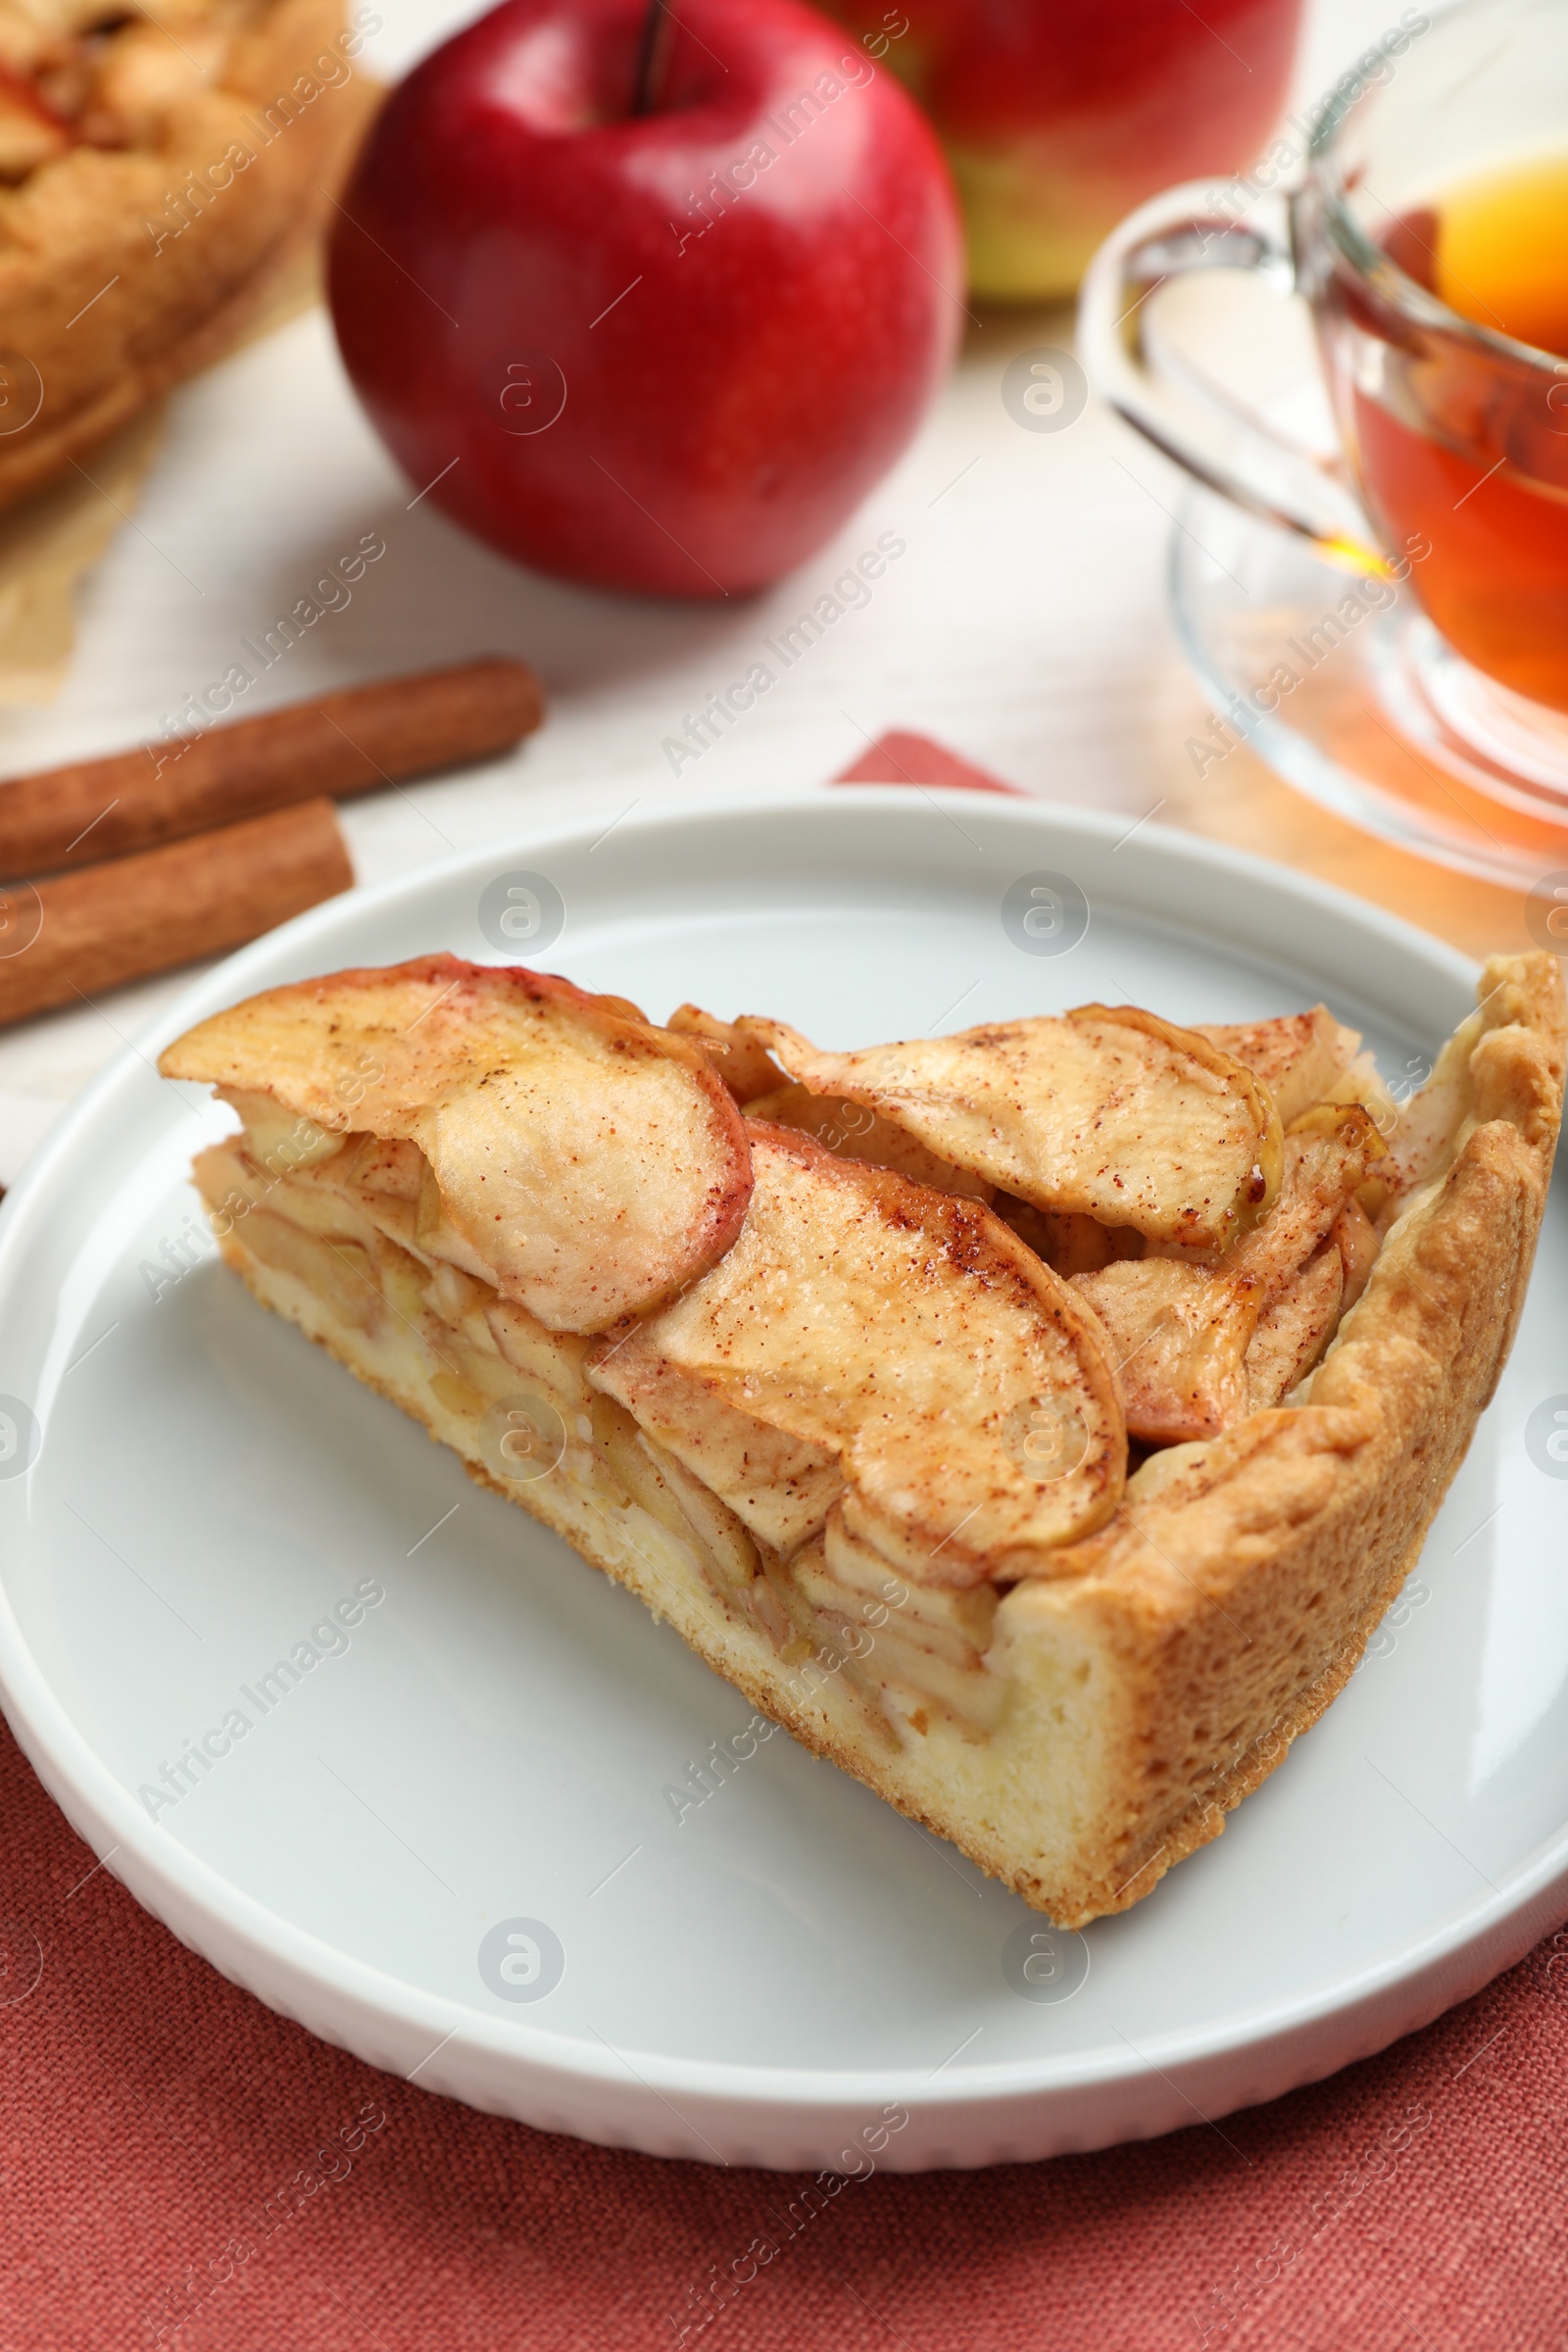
1083	1729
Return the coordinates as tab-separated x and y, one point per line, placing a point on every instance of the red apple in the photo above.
666	350
1059	118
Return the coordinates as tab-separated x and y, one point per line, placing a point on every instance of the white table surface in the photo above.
1026	627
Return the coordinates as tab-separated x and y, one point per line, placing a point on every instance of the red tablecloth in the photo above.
170	2147
181	2166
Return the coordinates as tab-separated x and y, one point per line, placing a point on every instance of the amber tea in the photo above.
1461	444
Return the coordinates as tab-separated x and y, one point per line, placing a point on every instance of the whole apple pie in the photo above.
1036	1421
158	168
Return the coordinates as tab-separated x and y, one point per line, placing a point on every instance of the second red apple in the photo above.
666	349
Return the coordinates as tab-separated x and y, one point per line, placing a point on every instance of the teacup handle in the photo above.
1227	445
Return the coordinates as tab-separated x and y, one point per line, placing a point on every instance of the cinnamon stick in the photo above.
338	745
70	935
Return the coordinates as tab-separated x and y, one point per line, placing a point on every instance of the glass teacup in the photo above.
1452	474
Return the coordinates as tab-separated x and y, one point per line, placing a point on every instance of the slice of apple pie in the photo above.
1036	1421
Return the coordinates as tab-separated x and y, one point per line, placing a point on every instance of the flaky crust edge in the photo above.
1244	1577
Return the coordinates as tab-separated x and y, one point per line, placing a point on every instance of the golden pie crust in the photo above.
156	177
1076	1728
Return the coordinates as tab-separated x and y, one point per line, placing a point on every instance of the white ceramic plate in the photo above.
782	1973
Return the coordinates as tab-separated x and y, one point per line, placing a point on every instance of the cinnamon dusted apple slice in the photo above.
780	1486
1197	1346
851	1129
581	1161
1299	1056
856	1132
1295	1328
1329	1154
1113	1114
959	1386
1306	1058
1179	1335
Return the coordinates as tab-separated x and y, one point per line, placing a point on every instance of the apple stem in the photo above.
658	27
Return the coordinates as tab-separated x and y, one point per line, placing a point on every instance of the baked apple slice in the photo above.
581	1161
961	1387
1113	1114
779	1484
1197	1346
1305	1058
1300	1056
747	1068
1294	1329
856	1132
851	1129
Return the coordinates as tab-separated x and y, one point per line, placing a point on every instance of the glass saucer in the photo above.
1345	688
